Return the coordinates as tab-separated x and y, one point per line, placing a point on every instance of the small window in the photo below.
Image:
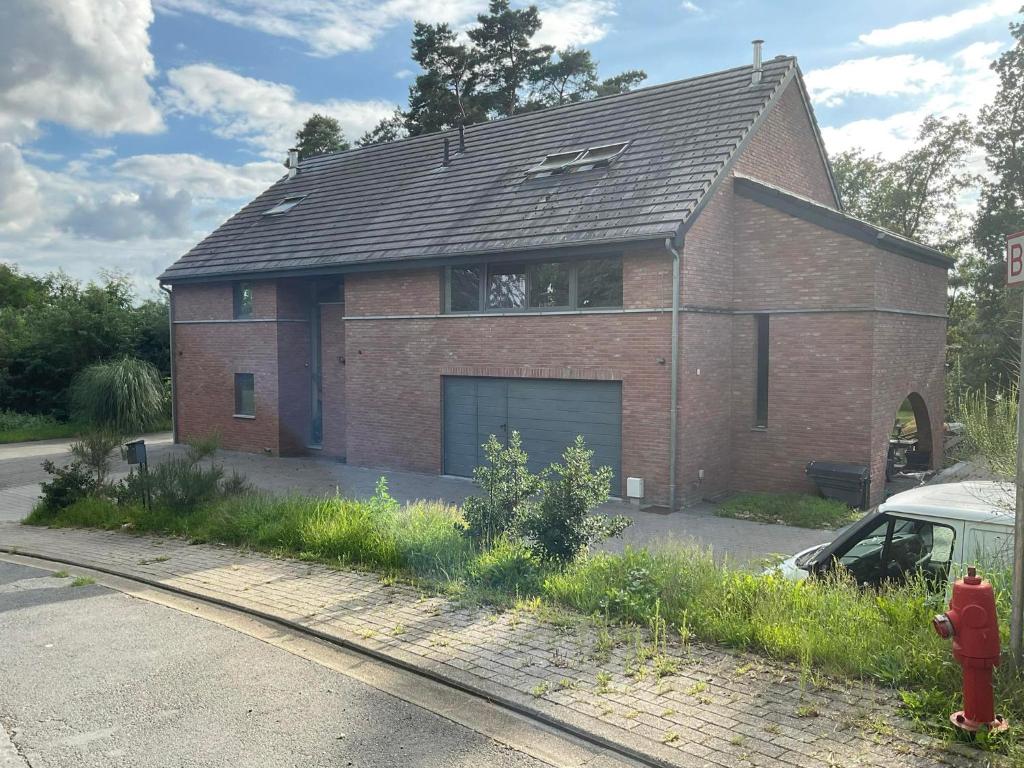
285	205
506	287
549	285
762	341
464	289
243	301
554	163
599	283
245	398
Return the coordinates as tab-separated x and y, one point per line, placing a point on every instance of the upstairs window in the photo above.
285	205
242	301
554	285
761	342
577	160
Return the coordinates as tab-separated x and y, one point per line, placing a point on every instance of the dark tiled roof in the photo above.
838	221
396	201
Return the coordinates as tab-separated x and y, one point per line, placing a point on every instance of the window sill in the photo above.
758	429
243	416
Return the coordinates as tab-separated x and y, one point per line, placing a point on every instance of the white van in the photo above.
929	530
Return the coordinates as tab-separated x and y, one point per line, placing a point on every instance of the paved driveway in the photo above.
21	473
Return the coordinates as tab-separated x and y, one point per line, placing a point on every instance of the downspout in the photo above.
674	387
174	384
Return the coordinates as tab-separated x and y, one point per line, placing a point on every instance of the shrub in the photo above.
124	396
507	487
69	484
93	450
182	485
15	420
509	566
559	525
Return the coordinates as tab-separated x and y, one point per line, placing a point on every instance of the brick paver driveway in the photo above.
20	474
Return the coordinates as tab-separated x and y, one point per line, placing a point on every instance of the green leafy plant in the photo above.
124	396
93	450
67	485
560	525
509	566
507	487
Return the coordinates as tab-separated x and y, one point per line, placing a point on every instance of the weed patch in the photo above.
795	509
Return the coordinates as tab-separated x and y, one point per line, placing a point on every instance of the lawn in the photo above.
22	427
797	509
825	626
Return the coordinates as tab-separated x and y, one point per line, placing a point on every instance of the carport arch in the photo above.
922	423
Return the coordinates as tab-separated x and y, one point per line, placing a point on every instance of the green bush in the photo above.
125	396
509	566
68	485
16	427
798	509
560	525
507	487
13	420
93	450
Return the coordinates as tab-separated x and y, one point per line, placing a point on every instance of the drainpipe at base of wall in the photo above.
174	386
674	386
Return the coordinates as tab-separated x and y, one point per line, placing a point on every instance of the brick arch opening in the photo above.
911	441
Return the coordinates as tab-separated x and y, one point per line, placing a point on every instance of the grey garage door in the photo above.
548	414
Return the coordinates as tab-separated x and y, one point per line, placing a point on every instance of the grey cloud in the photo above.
154	214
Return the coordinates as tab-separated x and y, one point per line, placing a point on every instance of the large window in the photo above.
245	395
588	284
762	341
242	301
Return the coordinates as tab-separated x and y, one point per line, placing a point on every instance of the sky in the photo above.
129	129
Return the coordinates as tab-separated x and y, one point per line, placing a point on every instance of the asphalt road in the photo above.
93	677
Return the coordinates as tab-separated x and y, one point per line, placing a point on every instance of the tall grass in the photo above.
125	395
990	422
16	427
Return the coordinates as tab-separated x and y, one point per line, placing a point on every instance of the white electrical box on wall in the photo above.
635	487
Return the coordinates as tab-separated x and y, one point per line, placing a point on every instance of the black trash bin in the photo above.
848	483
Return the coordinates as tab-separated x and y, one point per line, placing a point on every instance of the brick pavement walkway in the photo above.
687	706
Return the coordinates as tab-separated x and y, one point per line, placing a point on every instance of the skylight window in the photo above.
578	160
285	205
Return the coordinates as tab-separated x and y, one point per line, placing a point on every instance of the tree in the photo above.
916	195
569	78
388	129
319	135
621	83
445	95
991	338
508	61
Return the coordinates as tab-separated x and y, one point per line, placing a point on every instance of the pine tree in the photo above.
445	95
569	78
320	134
388	129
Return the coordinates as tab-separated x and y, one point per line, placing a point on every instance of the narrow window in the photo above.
245	398
243	301
506	287
549	285
761	411
464	289
599	283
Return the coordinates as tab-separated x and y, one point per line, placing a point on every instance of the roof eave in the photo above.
837	221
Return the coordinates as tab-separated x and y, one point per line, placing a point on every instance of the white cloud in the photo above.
691	7
82	64
261	113
969	86
900	75
940	27
327	27
202	178
402	74
154	213
574	22
19	194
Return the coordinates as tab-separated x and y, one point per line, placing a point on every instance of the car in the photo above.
931	530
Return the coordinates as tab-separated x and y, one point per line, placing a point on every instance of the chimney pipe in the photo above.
447	152
462	139
293	163
755	77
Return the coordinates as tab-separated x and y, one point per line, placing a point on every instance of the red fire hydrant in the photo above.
971	622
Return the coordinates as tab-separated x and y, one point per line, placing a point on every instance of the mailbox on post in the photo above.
136	452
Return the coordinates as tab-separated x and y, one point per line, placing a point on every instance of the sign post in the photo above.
1015	278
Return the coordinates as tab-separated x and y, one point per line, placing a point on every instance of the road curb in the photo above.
465	686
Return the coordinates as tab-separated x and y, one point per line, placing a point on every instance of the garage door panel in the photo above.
548	414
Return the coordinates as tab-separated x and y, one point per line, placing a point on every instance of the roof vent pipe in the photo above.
462	139
755	77
447	153
293	163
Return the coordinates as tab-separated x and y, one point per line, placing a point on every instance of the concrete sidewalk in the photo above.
701	706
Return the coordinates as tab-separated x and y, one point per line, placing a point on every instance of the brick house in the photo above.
393	305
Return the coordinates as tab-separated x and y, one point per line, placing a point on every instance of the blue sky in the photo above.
131	128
